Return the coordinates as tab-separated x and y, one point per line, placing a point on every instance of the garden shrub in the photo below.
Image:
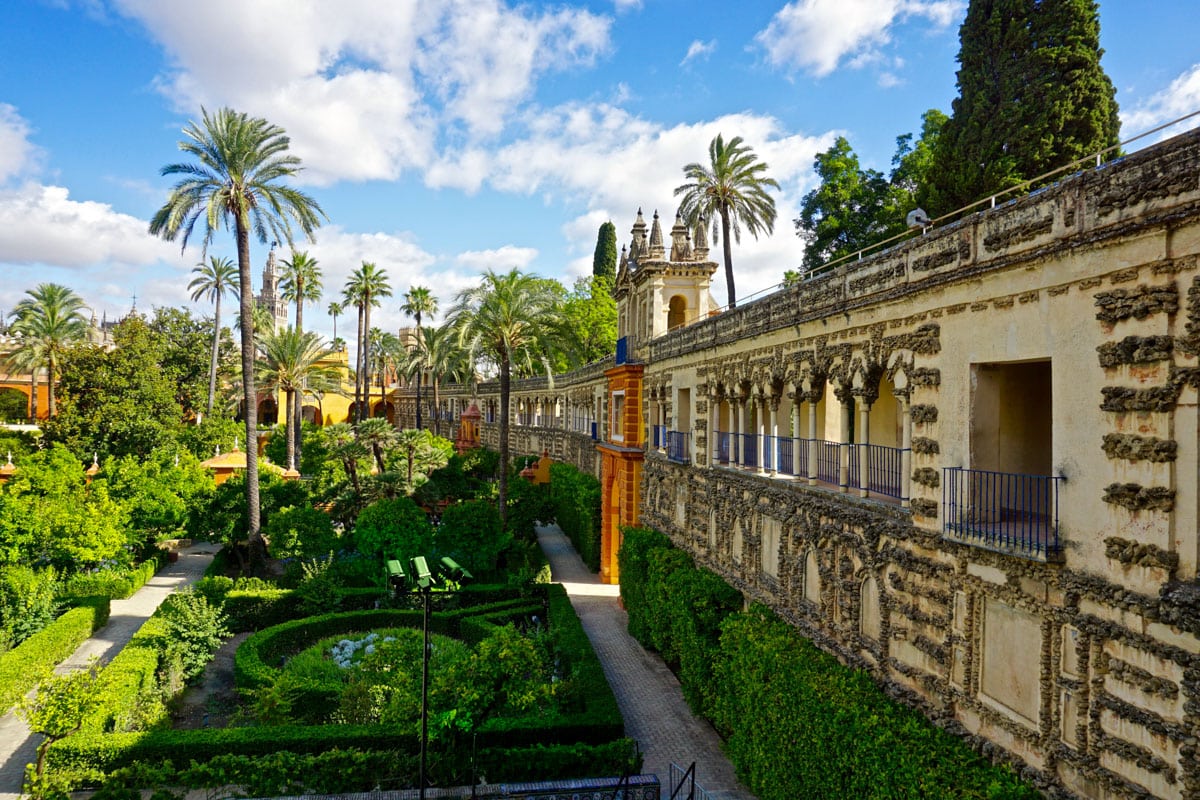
395	528
27	602
634	562
575	497
118	583
25	666
471	534
194	629
300	531
528	504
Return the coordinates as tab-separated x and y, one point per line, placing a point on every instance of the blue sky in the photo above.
445	136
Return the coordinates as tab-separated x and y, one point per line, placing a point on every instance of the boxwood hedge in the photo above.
34	660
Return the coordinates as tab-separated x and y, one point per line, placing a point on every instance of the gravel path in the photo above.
647	691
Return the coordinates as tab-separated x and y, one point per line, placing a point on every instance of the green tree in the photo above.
590	318
48	321
120	401
443	359
365	289
394	529
185	343
1032	96
472	534
730	190
57	710
851	209
604	260
419	302
213	280
513	320
335	310
237	180
290	361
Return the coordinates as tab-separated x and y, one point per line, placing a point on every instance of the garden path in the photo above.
647	692
18	746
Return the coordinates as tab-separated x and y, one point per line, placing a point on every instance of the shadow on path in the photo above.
18	746
647	692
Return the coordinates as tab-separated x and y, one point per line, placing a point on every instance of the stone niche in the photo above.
1011	649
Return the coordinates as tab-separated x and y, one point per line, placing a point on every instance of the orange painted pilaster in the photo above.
621	455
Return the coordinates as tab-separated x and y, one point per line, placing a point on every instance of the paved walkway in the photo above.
647	692
18	746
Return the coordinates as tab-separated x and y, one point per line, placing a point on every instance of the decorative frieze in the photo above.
1142	554
1135	350
1132	447
923	414
1139	303
1140	498
924	446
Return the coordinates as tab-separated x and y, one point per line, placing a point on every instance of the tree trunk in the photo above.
728	248
420	371
50	386
291	417
366	357
358	368
437	408
505	384
212	366
298	411
257	547
33	389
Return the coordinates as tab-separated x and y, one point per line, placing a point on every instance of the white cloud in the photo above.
43	225
816	35
627	5
699	49
367	91
18	156
1180	98
500	259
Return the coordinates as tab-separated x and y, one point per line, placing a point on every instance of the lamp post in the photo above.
422	578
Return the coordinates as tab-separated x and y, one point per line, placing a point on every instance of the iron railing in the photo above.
1002	510
722	454
748	448
828	461
658	436
682	784
883	469
622	350
679	447
595	431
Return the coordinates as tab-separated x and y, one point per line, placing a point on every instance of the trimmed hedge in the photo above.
116	584
340	771
34	660
797	722
593	719
575	497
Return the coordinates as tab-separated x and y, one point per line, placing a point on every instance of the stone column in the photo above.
814	448
864	438
713	438
736	435
771	446
844	439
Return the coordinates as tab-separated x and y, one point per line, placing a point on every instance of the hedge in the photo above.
797	722
116	584
34	660
575	497
340	771
596	721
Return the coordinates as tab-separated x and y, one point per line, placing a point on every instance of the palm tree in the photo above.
49	320
441	356
300	282
733	188
382	349
375	434
511	319
418	302
335	310
292	359
235	181
212	281
366	287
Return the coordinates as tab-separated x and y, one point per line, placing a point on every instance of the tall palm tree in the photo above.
731	188
513	320
212	281
335	310
418	302
292	359
300	283
382	349
365	288
235	180
49	319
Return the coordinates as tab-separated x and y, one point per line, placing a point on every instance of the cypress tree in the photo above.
1032	97
604	262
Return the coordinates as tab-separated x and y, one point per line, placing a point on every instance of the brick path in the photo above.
647	692
18	746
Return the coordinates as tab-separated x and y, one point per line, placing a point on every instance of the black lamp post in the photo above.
423	579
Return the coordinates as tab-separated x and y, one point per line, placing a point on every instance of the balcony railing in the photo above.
883	469
1002	510
828	461
721	456
658	436
679	447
